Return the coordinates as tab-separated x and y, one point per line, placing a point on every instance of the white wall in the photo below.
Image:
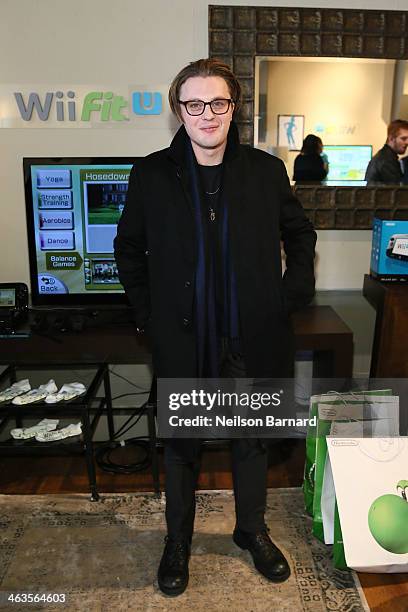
53	42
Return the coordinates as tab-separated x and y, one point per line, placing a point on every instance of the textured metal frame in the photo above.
237	34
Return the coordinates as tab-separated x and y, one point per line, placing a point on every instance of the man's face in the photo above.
207	131
399	143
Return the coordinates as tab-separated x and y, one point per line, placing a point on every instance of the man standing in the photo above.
198	253
385	166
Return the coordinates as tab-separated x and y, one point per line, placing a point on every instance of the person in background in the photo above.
385	166
309	164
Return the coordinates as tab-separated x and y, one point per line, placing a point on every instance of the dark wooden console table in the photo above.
389	357
317	328
321	330
390	350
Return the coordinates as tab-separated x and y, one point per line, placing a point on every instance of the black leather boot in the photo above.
267	557
173	569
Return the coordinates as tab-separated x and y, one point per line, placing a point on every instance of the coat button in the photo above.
186	321
187	284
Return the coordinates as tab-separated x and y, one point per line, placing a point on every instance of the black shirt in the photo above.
211	178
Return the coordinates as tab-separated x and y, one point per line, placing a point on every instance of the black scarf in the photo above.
210	324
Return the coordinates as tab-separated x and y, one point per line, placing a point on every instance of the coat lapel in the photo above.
238	209
177	153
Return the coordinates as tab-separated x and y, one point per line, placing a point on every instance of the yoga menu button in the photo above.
54	178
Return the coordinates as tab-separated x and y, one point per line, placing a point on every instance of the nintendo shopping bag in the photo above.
371	482
350	416
308	486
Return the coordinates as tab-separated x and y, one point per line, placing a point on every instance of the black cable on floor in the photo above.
103	454
104	460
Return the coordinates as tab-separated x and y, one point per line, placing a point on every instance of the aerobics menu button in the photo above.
53	178
57	241
56	220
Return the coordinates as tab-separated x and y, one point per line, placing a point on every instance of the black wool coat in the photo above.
156	246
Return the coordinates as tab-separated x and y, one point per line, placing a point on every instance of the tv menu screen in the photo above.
76	209
347	162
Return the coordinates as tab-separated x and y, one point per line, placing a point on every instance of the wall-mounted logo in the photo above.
334	129
96	105
147	103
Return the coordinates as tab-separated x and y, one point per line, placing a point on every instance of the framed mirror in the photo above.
251	38
347	103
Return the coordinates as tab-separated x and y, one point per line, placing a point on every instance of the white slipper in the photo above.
17	388
67	392
36	395
31	432
75	429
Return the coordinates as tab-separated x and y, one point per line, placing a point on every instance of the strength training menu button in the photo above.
54	198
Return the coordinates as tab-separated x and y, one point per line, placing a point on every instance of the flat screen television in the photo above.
73	207
348	162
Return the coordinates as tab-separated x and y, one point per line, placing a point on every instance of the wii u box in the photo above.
389	250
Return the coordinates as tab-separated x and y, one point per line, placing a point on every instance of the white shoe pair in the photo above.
17	388
67	392
49	392
30	432
46	431
36	395
75	429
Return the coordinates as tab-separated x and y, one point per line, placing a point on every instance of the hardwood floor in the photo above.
67	474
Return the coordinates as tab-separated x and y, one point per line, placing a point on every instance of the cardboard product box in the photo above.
389	250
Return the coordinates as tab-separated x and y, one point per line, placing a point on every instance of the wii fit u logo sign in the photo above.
96	106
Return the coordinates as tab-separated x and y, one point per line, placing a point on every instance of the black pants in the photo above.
249	470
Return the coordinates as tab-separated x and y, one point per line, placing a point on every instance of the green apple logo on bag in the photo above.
388	520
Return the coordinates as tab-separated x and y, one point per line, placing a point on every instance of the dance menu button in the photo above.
54	178
56	220
54	198
57	241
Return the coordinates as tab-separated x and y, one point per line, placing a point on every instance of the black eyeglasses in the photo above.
219	106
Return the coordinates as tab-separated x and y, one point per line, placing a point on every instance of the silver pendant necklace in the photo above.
211	210
213	192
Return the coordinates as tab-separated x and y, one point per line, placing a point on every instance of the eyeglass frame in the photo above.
185	102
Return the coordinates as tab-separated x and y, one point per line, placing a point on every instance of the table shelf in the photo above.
88	408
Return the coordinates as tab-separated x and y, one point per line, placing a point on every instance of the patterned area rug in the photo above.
104	556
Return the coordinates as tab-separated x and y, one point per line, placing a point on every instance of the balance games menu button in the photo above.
54	178
57	241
